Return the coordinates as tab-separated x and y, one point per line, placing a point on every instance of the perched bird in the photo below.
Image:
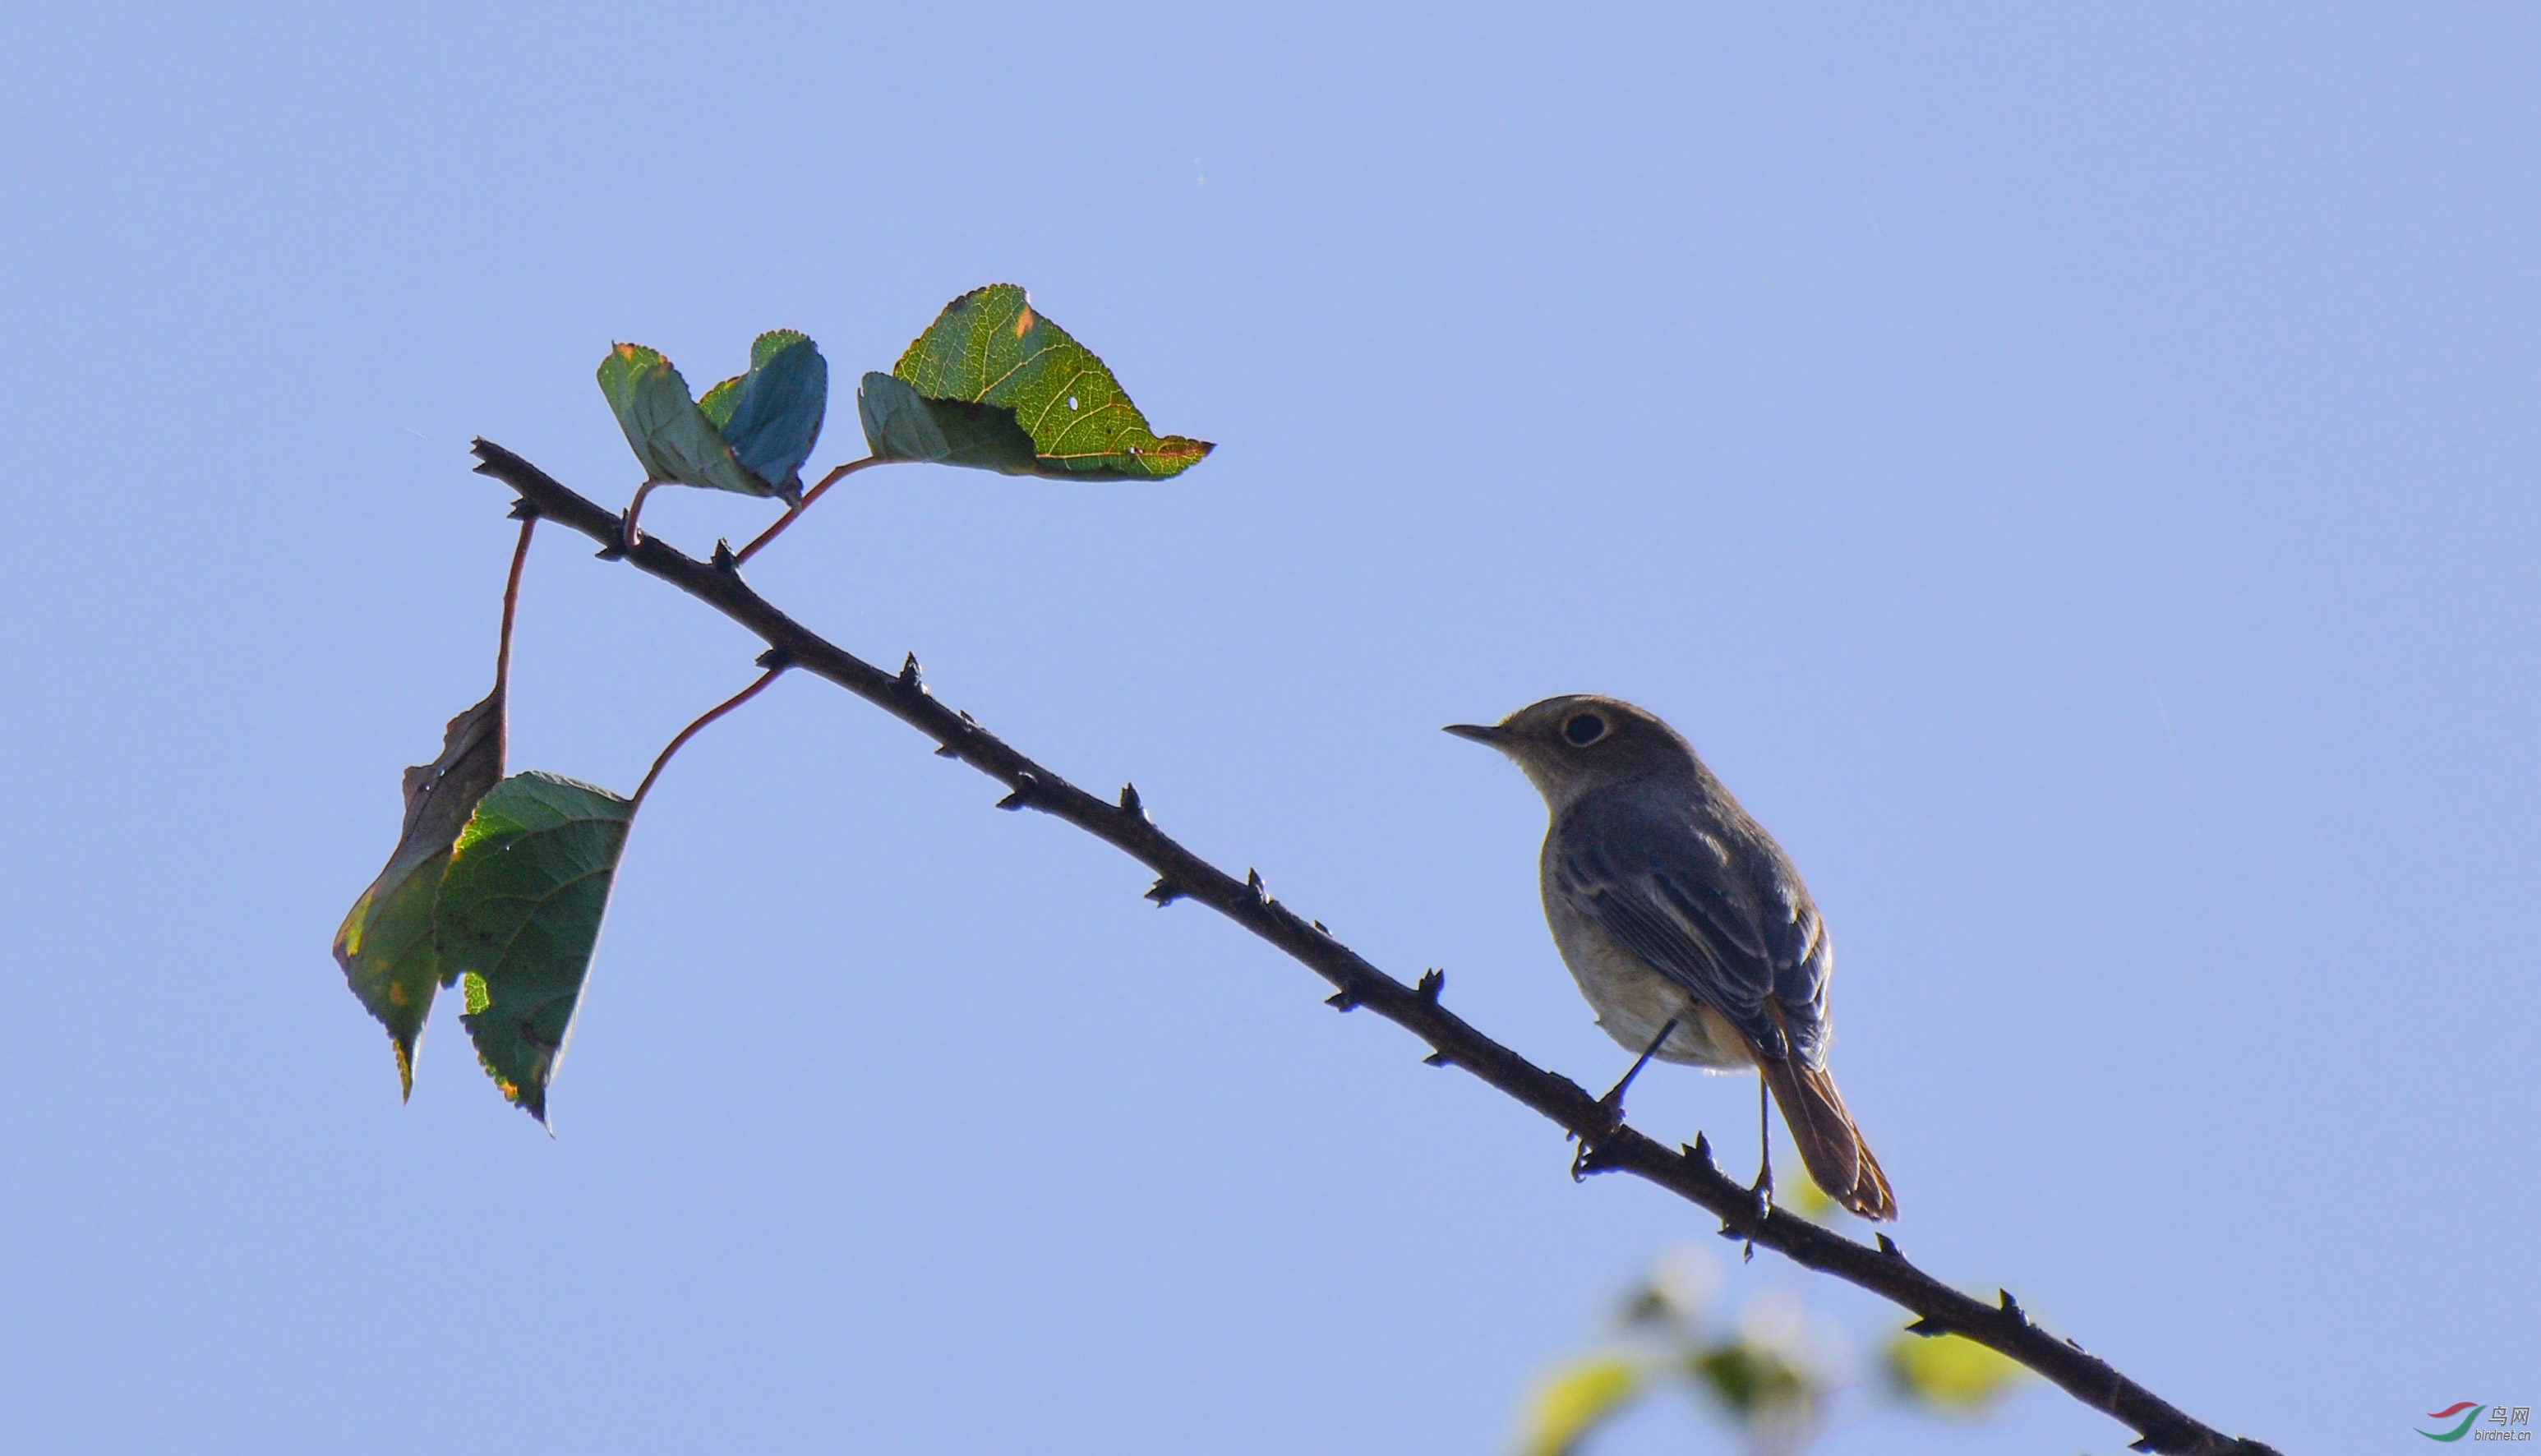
1685	925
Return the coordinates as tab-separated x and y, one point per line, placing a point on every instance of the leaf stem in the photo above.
774	670
503	647
628	538
805	504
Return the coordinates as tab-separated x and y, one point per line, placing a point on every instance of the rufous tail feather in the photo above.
1830	1145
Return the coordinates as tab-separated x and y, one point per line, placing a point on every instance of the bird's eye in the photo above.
1584	729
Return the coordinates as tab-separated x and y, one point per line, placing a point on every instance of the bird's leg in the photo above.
1613	1102
1765	1140
1764	1189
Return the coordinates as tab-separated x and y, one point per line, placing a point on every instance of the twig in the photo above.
1181	874
805	504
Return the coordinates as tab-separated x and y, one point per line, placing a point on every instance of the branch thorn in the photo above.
1436	1059
2011	1307
2142	1445
1025	783
1926	1327
1318	924
1253	882
1341	1000
723	560
775	657
908	679
1888	1245
947	751
1164	892
523	509
1700	1152
1433	981
1130	801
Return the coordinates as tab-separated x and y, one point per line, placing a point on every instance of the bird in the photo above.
1685	926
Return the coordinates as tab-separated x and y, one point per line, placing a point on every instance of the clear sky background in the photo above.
2072	475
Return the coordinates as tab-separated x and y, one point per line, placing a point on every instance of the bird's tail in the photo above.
1830	1143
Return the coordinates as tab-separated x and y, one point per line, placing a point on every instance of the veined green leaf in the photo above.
989	347
518	915
384	945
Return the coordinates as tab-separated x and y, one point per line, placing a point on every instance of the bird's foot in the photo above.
1761	1197
1612	1105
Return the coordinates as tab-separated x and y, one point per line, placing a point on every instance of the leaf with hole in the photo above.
990	349
518	915
750	435
384	945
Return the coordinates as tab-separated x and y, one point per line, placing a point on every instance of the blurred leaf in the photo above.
518	917
1649	1305
676	440
1574	1400
903	424
772	415
989	347
384	944
1685	1280
1808	1199
1756	1382
1950	1374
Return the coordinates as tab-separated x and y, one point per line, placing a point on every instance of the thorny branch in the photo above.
1181	875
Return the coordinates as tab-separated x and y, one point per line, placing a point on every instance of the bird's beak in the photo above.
1494	736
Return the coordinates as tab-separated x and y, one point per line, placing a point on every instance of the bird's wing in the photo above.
1692	903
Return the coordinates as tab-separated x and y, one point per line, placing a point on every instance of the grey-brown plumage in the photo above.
1669	903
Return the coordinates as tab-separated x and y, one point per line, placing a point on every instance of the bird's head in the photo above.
1577	742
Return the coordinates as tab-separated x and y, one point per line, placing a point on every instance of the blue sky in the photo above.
2071	473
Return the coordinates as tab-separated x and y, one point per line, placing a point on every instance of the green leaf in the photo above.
989	347
384	944
1950	1374
673	439
904	424
1574	1400
773	415
519	913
